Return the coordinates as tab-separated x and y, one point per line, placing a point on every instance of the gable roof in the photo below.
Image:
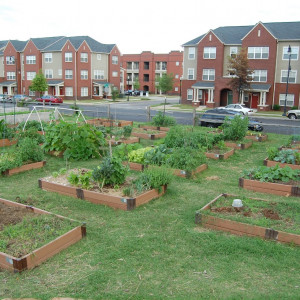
18	45
233	35
42	43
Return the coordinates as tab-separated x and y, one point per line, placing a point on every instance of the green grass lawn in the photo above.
156	251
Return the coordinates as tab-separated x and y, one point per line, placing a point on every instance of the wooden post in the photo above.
148	114
108	111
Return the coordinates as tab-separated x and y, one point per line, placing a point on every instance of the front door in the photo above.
229	97
254	100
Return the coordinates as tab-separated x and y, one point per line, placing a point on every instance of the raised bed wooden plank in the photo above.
222	156
272	163
154	127
239	146
27	167
41	254
256	138
7	142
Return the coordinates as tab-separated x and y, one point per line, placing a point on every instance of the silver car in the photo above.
293	114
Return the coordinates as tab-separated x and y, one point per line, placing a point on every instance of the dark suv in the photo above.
216	117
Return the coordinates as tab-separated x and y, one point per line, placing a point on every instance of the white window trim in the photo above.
84	92
69	75
292	47
84	74
193	54
30	59
98	74
191	94
84	57
49	73
69	91
259	75
68	58
261	52
282	99
115	59
11	75
193	73
210	72
294	71
209	52
48	58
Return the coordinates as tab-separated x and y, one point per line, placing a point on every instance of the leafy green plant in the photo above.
288	156
161	119
272	174
32	124
29	150
138	156
85	178
127	131
158	155
5	131
235	129
111	171
121	151
32	134
272	152
73	178
9	161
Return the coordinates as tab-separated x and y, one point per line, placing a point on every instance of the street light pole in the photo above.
127	88
287	81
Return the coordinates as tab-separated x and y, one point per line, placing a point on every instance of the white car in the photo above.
293	114
239	107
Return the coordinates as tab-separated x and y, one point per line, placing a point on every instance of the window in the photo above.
176	76
30	59
176	89
136	65
164	65
259	75
177	63
84	57
68	57
208	74
200	94
115	60
99	74
292	76
114	74
48	57
191	53
84	74
146	78
189	94
10	60
258	52
11	75
209	53
99	57
190	74
289	100
294	53
69	74
49	73
233	52
69	91
84	91
146	65
31	93
30	75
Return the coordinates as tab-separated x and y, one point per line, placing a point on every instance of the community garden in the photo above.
110	210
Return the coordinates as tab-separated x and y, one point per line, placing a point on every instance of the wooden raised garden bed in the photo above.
130	140
108	123
124	203
27	167
239	145
257	138
176	172
7	142
148	135
273	163
41	254
239	228
215	155
270	187
154	127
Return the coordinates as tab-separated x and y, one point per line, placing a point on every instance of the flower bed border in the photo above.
27	167
256	138
108	123
240	228
177	172
225	155
273	163
154	127
99	198
41	254
148	136
7	142
269	187
239	146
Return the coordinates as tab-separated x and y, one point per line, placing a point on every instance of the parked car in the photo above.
21	97
293	114
49	99
239	107
138	93
4	98
128	92
216	117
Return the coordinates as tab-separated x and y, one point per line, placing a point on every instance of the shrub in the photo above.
276	107
235	129
161	119
29	150
111	171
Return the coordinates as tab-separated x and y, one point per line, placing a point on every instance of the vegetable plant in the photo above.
161	119
235	129
138	156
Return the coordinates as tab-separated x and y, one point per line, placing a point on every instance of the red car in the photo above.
49	99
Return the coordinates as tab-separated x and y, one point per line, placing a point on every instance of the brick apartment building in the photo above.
206	75
147	67
75	67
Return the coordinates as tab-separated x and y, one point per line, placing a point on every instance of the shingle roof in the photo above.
18	45
42	43
3	44
232	35
203	84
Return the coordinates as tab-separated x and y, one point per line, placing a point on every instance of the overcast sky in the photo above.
136	25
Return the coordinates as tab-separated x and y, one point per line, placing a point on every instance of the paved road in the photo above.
137	111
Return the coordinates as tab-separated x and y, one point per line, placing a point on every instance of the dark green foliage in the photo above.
127	131
276	107
161	119
187	159
32	134
121	151
5	131
272	174
82	178
158	155
288	156
79	142
272	152
111	171
32	124
236	128
29	150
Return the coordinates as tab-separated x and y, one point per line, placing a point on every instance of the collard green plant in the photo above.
158	155
288	156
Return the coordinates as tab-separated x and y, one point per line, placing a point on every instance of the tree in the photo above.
39	83
136	84
239	67
165	83
114	93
